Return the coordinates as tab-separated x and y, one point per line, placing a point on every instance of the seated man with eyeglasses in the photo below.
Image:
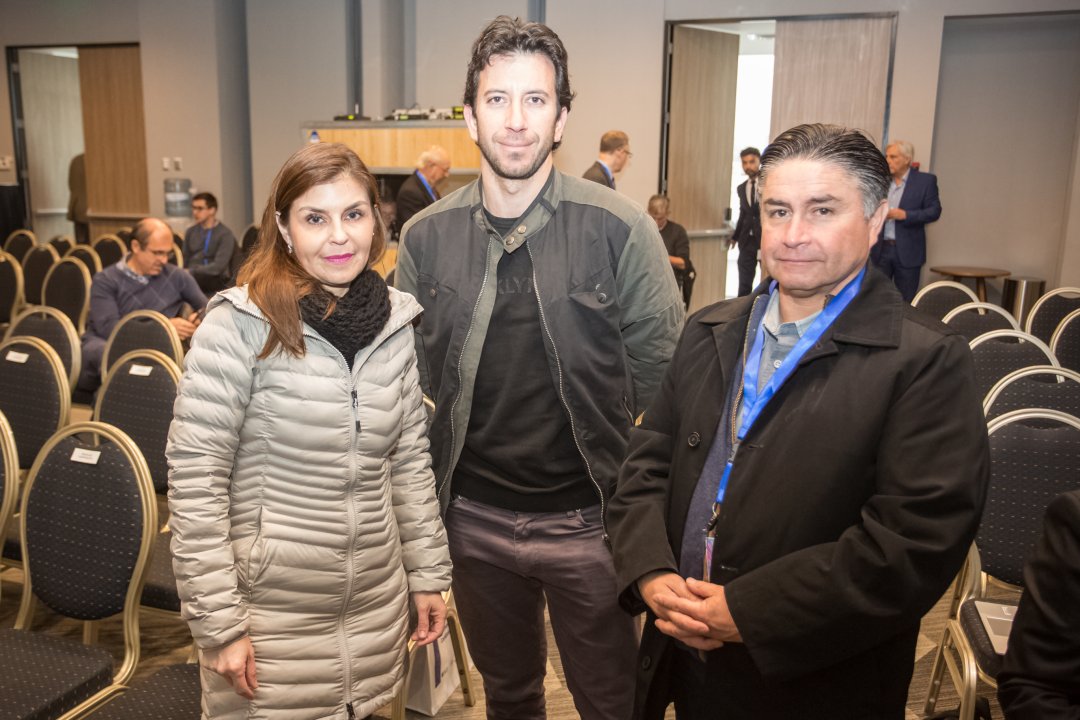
142	280
208	246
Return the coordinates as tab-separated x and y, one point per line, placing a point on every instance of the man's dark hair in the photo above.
508	36
209	199
749	151
850	150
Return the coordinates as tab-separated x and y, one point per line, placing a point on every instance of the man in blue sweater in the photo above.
142	280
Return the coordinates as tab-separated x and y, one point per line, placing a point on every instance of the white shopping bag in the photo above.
433	676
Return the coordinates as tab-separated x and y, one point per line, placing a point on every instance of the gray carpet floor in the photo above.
165	640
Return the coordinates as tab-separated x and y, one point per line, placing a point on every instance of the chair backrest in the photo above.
938	298
88	525
176	255
1034	457
137	396
1065	342
9	476
1049	310
999	352
973	319
1040	386
251	235
110	248
18	242
34	393
54	327
36	264
67	288
142	330
11	286
88	255
62	244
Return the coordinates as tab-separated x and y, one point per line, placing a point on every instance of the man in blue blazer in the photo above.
900	251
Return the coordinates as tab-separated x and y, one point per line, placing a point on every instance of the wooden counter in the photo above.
392	147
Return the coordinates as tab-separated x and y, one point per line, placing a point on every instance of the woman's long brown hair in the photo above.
275	280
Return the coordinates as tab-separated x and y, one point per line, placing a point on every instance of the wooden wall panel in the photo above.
385	148
53	119
704	71
114	131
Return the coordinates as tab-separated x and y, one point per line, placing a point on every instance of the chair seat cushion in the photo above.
988	660
43	676
159	590
172	693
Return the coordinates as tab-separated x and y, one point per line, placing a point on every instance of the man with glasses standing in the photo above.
208	246
614	154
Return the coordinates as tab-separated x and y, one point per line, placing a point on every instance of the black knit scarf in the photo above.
358	317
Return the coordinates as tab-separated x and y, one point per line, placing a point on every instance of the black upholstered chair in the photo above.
18	242
999	352
67	288
1049	310
1034	457
11	287
176	255
88	255
251	236
62	244
9	476
88	524
34	393
171	693
1040	386
54	327
110	248
973	319
1065	341
938	298
142	330
36	264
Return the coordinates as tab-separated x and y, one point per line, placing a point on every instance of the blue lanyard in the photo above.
206	246
753	403
424	181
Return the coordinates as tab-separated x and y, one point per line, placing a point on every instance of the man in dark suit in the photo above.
614	154
419	189
747	233
913	202
808	478
1040	678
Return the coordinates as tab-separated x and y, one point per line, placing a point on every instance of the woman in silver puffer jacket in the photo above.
303	508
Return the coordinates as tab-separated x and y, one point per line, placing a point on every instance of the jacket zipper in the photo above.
453	406
562	396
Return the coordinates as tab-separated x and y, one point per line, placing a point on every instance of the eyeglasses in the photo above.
199	208
627	151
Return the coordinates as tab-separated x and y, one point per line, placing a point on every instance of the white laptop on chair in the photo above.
998	620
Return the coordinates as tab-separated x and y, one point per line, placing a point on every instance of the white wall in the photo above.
383	32
297	55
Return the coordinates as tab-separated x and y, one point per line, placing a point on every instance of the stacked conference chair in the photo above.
88	255
19	242
110	248
88	524
137	397
67	288
171	693
1035	456
36	264
999	352
9	477
142	330
54	327
1049	310
11	287
1040	386
938	298
973	319
1065	341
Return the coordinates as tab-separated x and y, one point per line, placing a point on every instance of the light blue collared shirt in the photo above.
896	191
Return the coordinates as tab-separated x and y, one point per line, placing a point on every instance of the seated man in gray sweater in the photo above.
142	280
208	246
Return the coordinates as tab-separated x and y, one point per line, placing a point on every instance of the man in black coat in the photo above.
811	473
1040	678
419	189
747	233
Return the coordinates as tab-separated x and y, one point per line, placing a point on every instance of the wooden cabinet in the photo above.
392	147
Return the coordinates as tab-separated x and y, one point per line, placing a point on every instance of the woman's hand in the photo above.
236	663
431	617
